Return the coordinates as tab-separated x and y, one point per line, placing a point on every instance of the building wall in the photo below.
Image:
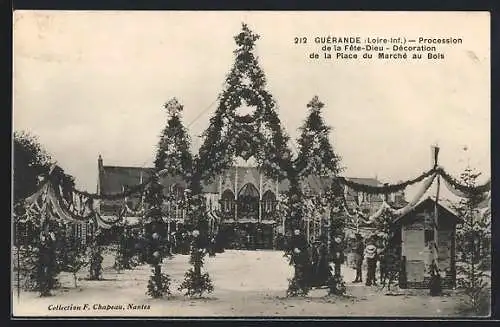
416	249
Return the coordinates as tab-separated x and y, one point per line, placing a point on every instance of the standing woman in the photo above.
323	270
46	267
358	258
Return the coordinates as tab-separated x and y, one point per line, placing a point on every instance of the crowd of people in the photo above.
373	255
368	254
133	244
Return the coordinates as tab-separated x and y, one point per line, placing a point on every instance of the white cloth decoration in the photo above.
410	206
385	206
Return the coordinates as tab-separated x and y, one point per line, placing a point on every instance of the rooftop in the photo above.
113	179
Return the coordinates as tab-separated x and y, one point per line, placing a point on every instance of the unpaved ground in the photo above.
247	283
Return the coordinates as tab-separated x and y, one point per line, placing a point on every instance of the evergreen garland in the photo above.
298	249
173	152
334	196
474	191
195	282
173	158
390	262
96	258
316	155
258	134
387	188
336	284
159	282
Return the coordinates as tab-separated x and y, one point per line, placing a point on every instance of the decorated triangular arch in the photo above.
245	123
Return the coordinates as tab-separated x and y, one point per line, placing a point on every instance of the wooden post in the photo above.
357	223
320	225
435	282
220	191
436	225
329	232
168	228
284	222
17	233
436	210
235	193
260	197
307	228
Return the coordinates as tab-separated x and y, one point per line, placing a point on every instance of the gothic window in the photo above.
269	202
227	201
362	197
174	195
358	197
248	200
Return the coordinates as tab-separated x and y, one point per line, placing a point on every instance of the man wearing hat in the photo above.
371	262
358	257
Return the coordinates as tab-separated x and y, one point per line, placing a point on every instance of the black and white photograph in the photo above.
267	164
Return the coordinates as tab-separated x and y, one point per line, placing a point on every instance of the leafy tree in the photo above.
31	160
38	239
196	282
96	258
72	256
124	253
474	281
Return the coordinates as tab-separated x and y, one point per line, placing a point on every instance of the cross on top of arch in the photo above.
315	104
246	38
173	107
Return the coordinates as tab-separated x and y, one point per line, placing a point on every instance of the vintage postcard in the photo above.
251	164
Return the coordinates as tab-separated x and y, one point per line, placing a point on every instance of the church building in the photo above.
242	203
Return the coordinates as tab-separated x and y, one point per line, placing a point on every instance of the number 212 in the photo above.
300	40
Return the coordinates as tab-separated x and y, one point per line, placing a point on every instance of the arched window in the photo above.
269	202
178	191
227	201
174	194
248	201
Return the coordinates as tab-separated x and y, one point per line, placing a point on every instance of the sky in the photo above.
90	83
